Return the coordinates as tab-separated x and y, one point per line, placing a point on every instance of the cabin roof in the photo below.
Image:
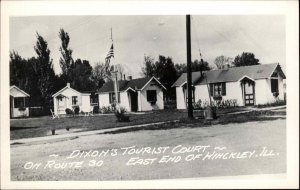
232	74
134	84
18	92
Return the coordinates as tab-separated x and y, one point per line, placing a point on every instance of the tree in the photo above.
80	75
148	68
66	60
99	74
43	68
221	61
18	71
245	59
163	69
195	66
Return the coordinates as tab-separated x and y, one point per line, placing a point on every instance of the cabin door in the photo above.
134	101
249	92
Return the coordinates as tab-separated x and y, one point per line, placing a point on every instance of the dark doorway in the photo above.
249	91
134	101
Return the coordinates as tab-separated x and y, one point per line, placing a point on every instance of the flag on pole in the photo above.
110	54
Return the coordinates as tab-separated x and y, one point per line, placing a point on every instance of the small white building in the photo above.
142	94
70	98
248	85
18	105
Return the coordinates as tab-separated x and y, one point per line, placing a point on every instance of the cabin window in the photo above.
193	95
94	99
274	85
151	96
19	102
218	89
112	97
74	100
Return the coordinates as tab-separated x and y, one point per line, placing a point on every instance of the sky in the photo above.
153	35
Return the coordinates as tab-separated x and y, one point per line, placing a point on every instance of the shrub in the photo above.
38	111
106	109
277	102
120	114
275	94
205	103
234	102
197	105
217	97
76	109
96	109
69	111
22	108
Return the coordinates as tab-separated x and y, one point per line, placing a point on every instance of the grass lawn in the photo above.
37	127
223	119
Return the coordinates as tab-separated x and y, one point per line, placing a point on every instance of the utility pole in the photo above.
189	73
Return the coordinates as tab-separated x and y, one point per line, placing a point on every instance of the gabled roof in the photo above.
68	87
232	74
18	89
182	79
134	84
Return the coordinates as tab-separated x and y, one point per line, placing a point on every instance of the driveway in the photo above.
190	152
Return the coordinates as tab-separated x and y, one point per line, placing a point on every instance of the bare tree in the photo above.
100	74
221	61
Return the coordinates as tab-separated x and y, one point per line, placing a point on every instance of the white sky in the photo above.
135	36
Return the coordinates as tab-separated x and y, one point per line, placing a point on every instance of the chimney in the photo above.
68	84
129	77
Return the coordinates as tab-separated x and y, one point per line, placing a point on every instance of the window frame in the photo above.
112	98
148	93
219	87
75	99
193	95
277	85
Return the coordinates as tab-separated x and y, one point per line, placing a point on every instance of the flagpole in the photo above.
116	76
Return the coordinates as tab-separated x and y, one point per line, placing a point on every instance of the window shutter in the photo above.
211	89
223	89
110	98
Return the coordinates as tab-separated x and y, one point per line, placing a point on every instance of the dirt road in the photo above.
219	150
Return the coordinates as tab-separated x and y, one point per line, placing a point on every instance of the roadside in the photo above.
265	114
235	137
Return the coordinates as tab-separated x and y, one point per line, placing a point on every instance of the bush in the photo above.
69	111
76	109
197	105
277	102
96	109
217	97
120	114
275	94
22	108
106	109
37	111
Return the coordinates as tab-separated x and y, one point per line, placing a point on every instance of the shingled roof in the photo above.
135	84
232	74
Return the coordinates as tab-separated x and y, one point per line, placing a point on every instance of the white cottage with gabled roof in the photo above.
18	102
248	85
70	98
142	94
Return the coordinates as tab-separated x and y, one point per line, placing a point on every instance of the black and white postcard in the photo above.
167	94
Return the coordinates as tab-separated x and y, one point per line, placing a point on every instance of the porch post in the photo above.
13	106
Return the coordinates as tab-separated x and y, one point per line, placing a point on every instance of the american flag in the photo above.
110	54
